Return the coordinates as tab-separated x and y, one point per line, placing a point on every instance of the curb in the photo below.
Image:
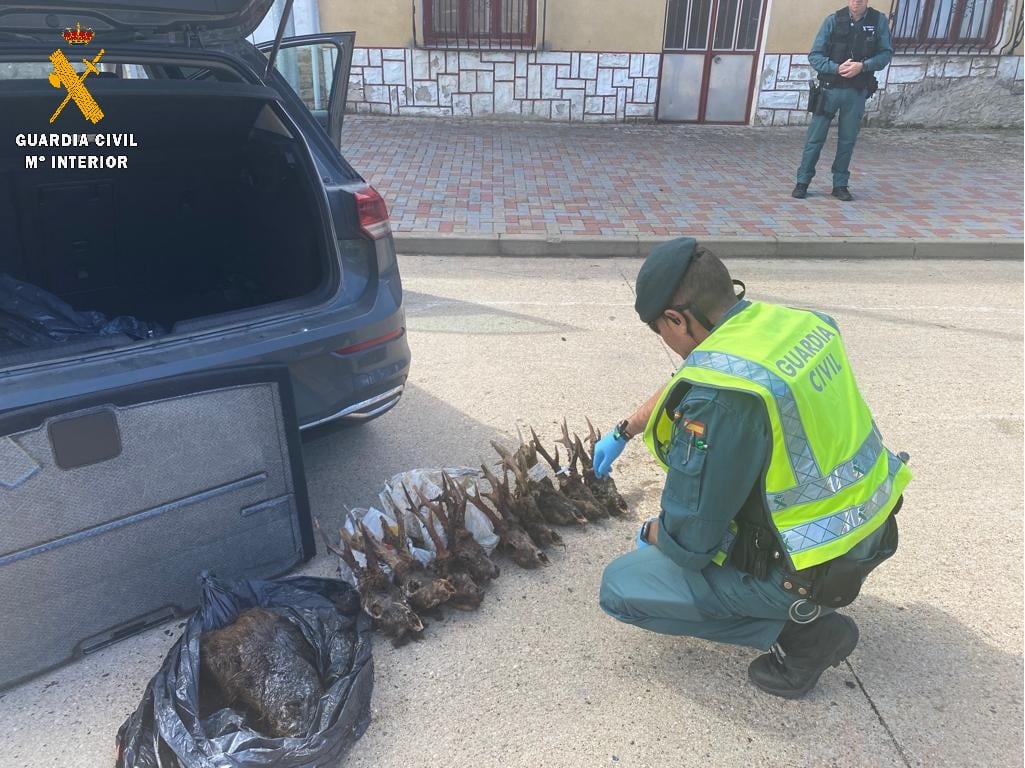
639	246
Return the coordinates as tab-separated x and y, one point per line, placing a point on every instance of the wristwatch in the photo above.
621	432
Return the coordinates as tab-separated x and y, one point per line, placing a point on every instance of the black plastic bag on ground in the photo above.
168	731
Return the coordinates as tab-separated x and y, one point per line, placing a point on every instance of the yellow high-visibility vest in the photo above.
830	481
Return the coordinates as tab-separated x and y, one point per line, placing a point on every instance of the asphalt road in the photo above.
540	676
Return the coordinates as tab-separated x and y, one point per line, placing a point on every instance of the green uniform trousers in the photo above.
849	106
645	588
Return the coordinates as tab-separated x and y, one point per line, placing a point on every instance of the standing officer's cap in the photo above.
660	276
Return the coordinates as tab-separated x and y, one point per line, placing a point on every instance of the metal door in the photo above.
317	68
709	57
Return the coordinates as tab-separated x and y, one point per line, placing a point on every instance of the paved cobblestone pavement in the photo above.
484	177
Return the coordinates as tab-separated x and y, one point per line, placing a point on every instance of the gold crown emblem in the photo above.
78	36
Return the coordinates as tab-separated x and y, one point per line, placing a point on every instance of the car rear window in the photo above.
125	69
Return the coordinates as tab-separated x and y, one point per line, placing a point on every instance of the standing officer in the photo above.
852	43
779	494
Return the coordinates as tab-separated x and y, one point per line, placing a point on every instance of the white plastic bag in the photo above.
429	483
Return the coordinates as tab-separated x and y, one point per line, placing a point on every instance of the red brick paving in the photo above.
482	177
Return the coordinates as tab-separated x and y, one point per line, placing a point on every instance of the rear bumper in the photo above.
327	385
363	410
349	387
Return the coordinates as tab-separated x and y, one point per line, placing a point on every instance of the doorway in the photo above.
709	55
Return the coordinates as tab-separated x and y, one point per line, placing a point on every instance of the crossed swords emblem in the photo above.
64	75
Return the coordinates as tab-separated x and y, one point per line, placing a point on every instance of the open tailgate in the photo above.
113	504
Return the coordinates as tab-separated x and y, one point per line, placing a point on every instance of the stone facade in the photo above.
547	85
933	91
924	90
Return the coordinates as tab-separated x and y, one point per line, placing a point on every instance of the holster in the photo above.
814	97
755	551
817	99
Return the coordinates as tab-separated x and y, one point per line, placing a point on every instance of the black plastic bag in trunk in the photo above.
167	731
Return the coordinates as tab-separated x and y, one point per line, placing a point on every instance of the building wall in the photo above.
582	25
548	85
381	23
592	66
577	25
928	90
923	91
595	62
304	20
793	24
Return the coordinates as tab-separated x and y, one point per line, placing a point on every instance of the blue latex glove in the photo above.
641	543
606	451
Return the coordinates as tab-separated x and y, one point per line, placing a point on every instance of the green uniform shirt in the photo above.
720	446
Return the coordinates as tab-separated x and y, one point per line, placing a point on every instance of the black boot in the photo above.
807	651
800	191
842	193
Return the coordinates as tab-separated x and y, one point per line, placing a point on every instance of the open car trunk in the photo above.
215	210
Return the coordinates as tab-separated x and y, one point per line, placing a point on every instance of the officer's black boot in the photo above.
808	650
800	191
842	193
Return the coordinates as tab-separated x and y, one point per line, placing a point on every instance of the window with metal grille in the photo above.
488	24
689	23
950	25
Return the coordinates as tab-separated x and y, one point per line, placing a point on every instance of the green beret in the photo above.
660	276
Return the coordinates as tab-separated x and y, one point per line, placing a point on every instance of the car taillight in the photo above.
373	213
363	345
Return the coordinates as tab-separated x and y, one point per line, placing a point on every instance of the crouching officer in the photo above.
853	43
779	494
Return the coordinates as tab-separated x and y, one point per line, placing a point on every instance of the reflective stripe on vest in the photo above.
825	529
812	484
817	514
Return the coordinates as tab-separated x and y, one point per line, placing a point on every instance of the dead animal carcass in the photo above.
603	488
423	589
458	557
553	506
517	521
261	666
382	600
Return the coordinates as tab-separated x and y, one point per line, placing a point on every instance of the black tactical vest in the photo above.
856	40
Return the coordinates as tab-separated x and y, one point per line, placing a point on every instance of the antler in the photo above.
516	463
526	452
353	540
593	435
500	490
427	521
571	448
398	539
585	458
507	457
369	551
345	553
477	501
435	510
409	498
457	494
552	462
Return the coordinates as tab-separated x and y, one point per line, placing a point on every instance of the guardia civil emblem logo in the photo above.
64	76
